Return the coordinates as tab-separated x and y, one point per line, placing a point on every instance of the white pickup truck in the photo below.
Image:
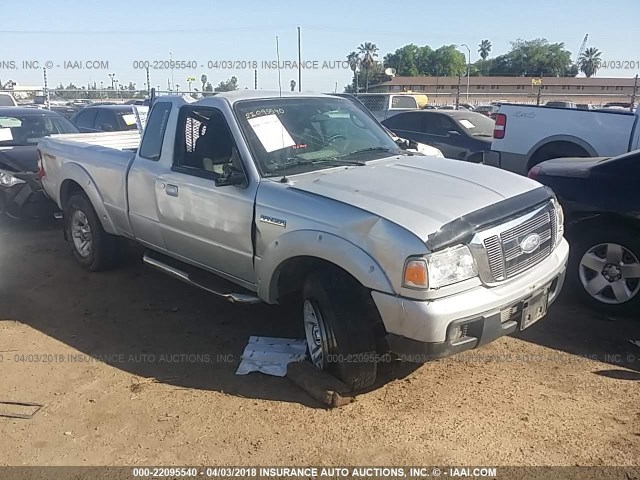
257	196
527	135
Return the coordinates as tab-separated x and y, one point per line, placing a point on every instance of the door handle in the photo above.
171	190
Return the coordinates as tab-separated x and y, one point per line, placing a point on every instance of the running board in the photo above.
209	286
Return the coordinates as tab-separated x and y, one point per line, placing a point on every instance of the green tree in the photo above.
484	49
368	52
590	61
447	61
293	84
227	86
203	79
532	58
405	60
354	64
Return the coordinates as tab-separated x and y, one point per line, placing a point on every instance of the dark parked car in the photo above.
20	190
460	135
601	202
105	118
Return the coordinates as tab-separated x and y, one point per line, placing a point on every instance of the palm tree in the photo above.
203	79
354	62
485	49
368	52
590	61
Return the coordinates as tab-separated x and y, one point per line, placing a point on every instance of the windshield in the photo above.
299	135
477	125
22	130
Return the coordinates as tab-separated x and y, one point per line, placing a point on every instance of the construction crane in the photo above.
582	47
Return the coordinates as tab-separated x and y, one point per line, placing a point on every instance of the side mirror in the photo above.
234	178
106	127
403	144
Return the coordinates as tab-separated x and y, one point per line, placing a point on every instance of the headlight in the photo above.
440	269
8	180
559	220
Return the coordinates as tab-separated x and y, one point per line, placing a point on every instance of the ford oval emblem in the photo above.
530	243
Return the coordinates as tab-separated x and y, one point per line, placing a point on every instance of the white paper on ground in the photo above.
271	355
5	134
271	133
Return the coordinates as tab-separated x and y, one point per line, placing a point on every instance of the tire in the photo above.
604	267
339	328
92	247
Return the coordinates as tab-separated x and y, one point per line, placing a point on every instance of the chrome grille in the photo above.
493	247
505	256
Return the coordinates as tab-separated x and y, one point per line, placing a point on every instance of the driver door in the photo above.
203	223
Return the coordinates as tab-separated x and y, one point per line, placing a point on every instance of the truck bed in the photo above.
105	157
529	128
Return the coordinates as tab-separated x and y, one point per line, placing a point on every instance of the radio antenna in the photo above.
278	56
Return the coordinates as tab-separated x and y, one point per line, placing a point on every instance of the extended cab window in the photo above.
151	146
205	145
403	101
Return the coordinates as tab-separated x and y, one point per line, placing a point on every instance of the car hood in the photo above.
419	193
19	159
569	167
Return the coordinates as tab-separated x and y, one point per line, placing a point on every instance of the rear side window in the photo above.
151	146
403	101
85	119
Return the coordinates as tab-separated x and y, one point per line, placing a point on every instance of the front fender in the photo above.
74	172
321	245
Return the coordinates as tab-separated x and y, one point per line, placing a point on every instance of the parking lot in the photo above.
128	360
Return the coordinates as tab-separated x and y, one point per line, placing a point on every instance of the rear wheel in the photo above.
91	246
604	267
339	329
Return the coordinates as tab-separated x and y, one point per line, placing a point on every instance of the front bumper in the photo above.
420	330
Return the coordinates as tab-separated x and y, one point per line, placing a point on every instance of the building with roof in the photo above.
442	90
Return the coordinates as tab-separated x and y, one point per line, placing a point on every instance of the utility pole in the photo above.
468	68
458	93
634	94
539	98
299	63
47	99
255	79
148	83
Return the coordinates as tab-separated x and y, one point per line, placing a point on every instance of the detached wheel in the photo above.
605	267
338	329
91	246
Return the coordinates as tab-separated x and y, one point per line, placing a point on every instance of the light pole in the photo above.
468	67
171	65
112	76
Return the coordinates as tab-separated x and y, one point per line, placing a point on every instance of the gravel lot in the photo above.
565	392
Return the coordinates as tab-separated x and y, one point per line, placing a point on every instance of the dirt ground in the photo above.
564	392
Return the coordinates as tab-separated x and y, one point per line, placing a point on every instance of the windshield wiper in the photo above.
364	150
293	162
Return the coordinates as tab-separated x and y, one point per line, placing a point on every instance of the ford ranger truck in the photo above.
269	197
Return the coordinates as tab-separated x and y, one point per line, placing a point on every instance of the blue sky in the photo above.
123	32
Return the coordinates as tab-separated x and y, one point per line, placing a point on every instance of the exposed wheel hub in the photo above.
315	332
612	272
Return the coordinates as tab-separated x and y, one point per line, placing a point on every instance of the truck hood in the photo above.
419	193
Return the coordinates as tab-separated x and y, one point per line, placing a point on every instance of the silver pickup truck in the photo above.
265	197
